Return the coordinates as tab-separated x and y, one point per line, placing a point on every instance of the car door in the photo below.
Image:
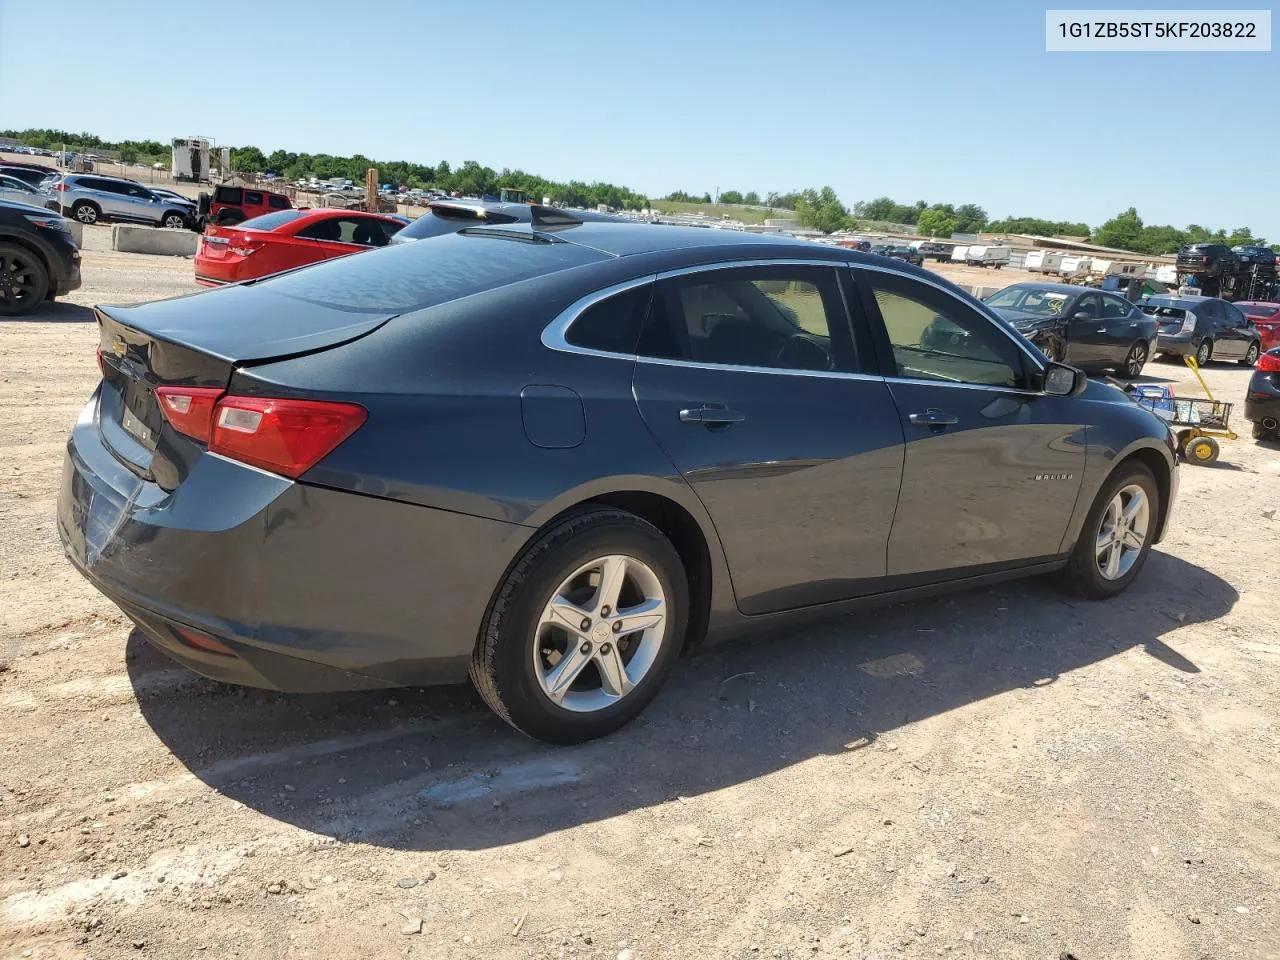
1118	329
1243	332
143	205
1227	339
748	379
993	466
113	199
325	239
1085	332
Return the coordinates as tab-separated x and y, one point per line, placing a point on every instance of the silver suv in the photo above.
89	198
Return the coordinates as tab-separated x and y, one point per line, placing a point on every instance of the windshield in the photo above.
1041	302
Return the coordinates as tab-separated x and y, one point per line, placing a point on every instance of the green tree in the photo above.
1123	231
752	198
731	196
129	154
246	159
970	218
1162	239
936	222
821	210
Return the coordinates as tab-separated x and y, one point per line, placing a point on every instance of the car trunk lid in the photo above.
188	342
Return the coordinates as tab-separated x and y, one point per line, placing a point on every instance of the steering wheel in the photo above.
799	352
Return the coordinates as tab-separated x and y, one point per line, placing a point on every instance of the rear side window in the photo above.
231	195
414	276
612	325
253	198
277	203
269	221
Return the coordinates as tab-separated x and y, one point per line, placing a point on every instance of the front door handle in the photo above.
711	415
934	418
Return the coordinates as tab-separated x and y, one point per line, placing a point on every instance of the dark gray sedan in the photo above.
1079	325
551	457
1205	328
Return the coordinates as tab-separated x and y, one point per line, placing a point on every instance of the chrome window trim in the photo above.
554	334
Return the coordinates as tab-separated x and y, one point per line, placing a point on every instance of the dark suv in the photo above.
1214	260
1260	259
39	259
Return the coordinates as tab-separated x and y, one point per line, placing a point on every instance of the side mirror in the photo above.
1082	315
1061	380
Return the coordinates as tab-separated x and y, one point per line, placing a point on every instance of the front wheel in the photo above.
173	221
584	628
1204	352
1251	355
24	280
1116	536
1134	361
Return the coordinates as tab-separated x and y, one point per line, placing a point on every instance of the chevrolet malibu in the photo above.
552	455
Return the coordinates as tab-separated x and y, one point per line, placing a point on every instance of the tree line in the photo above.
819	209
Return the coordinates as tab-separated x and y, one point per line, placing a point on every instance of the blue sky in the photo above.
940	101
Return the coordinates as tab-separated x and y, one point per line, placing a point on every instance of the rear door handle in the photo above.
712	415
933	418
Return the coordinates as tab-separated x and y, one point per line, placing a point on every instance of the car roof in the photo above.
625	238
1178	299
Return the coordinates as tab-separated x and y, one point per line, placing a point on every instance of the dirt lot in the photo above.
1006	773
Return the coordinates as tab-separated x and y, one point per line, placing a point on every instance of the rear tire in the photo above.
1085	573
518	649
86	212
1261	432
1251	355
1136	359
24	280
1204	352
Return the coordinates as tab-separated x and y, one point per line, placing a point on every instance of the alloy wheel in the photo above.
173	222
17	279
1123	532
1251	357
1203	352
86	214
1137	360
600	633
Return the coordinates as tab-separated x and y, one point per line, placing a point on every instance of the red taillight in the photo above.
190	409
283	436
60	186
1269	363
102	367
203	642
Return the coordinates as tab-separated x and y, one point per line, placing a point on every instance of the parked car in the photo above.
230	205
1265	318
1262	398
32	174
1206	328
39	259
905	253
935	251
450	216
1213	260
1259	258
19	191
304	490
1080	326
287	239
90	198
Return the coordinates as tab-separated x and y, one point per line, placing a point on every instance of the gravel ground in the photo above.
1003	773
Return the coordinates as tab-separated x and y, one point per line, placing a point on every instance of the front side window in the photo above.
1089	305
934	336
1113	308
779	317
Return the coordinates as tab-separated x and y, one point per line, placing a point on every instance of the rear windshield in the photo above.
438	221
269	221
1259	309
1162	312
413	276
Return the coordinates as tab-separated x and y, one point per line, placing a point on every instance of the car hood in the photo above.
1025	321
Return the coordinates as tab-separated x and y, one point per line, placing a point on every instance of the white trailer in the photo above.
1167	274
959	254
191	159
1043	261
989	255
1075	268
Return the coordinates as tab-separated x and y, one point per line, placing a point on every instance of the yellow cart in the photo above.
1202	422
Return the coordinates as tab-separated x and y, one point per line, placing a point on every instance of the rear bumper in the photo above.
309	588
1258	407
1180	346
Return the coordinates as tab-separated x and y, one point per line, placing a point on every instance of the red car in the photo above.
287	239
1266	317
